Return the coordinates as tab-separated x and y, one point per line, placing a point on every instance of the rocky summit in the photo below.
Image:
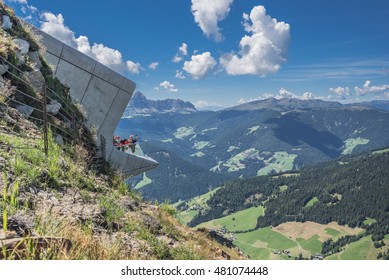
139	104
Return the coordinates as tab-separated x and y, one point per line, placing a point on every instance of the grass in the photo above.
312	244
283	188
253	252
235	163
279	162
351	143
239	221
362	249
231	148
274	240
253	129
332	232
312	202
200	145
145	181
198	154
199	202
183	132
369	221
381	151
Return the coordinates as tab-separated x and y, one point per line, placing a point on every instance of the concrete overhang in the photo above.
103	93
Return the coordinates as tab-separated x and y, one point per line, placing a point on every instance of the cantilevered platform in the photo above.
103	93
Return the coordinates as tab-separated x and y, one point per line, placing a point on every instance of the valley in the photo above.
277	177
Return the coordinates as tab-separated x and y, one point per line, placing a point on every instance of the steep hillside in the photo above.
60	200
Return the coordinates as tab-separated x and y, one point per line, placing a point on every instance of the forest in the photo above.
348	190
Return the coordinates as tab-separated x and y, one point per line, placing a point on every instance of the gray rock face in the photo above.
140	104
25	110
35	78
7	24
23	46
34	57
3	69
53	107
59	140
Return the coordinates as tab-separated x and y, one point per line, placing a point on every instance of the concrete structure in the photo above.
104	95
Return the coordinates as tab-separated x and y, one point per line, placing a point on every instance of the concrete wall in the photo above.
104	95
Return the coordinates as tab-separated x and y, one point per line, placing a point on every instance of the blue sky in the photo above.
225	52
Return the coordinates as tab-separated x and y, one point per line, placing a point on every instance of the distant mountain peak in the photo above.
139	104
287	104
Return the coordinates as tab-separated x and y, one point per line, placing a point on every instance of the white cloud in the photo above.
282	93
18	1
168	86
182	52
180	75
199	65
207	14
366	92
341	92
133	67
183	49
264	51
203	104
55	26
368	89
307	96
154	65
106	55
28	9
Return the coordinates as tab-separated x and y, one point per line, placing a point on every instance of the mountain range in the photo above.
139	104
257	138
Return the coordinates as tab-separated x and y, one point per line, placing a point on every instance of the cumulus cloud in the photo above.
154	65
199	65
133	67
180	75
55	26
341	92
367	88
182	52
264	51
307	96
282	93
207	14
18	1
203	104
366	92
168	86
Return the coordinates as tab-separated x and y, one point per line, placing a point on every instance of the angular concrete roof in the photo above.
104	95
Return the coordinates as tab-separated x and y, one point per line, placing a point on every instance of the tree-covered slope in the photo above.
347	191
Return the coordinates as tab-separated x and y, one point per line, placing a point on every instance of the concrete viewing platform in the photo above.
103	93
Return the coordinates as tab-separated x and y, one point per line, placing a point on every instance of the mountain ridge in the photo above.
139	104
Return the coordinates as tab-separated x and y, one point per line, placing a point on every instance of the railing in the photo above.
66	122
